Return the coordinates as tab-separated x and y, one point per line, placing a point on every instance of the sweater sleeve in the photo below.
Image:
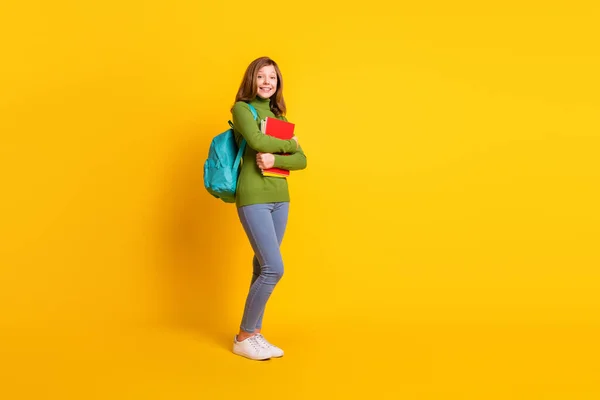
292	162
246	125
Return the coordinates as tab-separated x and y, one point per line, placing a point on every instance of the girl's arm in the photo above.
246	125
292	162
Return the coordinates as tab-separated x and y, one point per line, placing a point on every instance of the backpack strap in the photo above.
238	158
253	110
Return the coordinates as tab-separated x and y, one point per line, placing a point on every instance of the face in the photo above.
266	81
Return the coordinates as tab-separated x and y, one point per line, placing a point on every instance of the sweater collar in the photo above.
261	103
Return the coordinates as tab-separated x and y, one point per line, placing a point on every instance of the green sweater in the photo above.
253	187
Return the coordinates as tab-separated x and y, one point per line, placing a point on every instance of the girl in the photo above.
262	201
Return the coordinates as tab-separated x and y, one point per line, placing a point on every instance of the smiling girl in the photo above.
262	201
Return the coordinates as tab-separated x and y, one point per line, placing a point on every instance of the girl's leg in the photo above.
280	217
259	225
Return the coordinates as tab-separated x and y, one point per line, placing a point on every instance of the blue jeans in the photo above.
264	225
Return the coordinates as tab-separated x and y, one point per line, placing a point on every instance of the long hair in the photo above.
249	89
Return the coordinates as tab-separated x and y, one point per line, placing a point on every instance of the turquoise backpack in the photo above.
222	167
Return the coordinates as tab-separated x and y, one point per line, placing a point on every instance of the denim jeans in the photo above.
264	225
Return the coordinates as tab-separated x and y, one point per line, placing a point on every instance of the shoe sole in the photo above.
250	358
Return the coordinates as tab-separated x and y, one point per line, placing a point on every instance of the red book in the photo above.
281	130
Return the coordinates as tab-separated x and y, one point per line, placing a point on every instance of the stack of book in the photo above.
281	130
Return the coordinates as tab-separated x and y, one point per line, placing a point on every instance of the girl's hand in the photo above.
265	160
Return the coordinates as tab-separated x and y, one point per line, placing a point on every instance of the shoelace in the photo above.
254	342
261	339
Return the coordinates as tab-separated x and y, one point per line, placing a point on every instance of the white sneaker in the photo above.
275	351
251	348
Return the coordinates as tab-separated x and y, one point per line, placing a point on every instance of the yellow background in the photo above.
443	242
